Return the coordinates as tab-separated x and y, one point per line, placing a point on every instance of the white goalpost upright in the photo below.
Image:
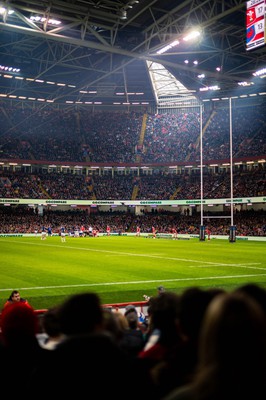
232	230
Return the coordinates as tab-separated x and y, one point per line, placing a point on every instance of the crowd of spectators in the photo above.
159	186
75	135
80	136
199	344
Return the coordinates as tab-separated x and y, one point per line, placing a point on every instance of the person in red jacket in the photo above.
15	298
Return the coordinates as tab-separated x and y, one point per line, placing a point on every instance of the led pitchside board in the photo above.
255	24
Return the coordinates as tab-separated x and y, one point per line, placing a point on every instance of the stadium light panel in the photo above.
192	35
168	47
261	73
50	21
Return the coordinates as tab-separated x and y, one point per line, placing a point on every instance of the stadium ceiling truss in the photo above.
106	50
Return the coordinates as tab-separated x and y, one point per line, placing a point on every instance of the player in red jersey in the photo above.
174	233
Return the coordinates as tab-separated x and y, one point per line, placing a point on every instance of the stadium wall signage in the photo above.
183	202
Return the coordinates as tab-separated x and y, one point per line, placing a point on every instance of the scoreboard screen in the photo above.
255	24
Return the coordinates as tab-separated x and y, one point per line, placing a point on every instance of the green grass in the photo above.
122	269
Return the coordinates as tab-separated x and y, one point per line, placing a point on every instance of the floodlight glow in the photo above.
9	68
169	46
206	88
261	73
244	83
191	35
51	21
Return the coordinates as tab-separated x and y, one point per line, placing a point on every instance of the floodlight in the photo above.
123	14
191	35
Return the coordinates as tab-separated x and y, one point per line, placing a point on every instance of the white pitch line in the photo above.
129	254
229	265
134	282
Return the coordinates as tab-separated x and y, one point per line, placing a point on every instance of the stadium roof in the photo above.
102	50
